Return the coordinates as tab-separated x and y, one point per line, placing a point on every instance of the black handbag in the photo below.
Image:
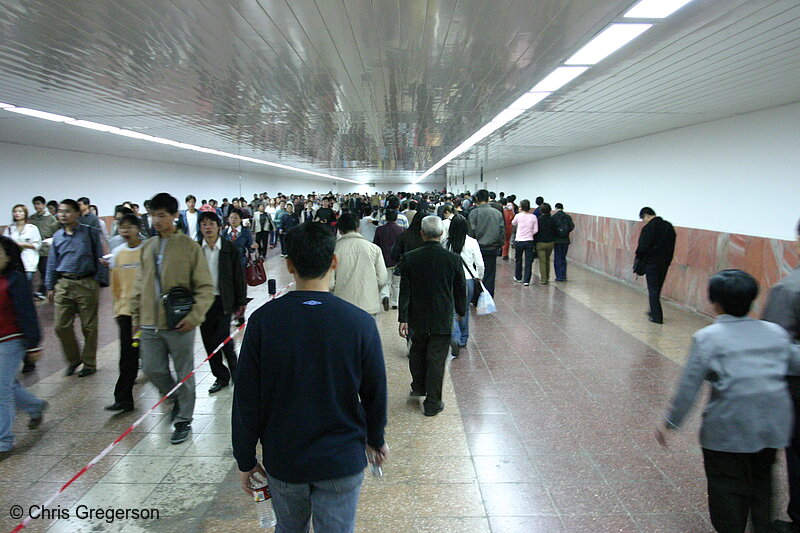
177	301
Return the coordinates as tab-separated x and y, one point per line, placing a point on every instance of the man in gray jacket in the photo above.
487	226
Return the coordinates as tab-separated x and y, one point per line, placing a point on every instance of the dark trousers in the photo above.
42	273
426	360
282	239
524	249
739	484
128	362
656	275
215	329
560	260
262	239
793	453
489	268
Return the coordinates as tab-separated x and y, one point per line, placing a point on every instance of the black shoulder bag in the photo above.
177	301
477	288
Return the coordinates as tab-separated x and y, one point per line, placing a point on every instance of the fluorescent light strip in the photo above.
655	9
606	43
144	137
520	105
558	78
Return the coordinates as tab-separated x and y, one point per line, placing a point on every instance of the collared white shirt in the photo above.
212	258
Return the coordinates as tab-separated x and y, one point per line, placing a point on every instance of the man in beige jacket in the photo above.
361	272
179	262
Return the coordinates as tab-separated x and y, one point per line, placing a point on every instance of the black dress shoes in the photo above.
216	387
433	411
72	368
86	372
119	406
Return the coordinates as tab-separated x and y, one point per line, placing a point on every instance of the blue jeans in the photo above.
560	260
523	250
331	504
12	394
461	326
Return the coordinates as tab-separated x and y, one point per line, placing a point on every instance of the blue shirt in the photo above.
311	386
73	254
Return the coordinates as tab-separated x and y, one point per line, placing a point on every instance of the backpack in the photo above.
563	226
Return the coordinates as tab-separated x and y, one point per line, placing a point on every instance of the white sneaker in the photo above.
518	280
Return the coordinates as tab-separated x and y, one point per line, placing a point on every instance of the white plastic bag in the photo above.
485	302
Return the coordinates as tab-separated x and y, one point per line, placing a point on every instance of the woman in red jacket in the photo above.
19	333
509	210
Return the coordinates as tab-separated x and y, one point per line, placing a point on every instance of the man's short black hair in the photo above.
492	195
391	215
482	196
413	205
237	211
734	290
224	199
310	246
72	204
559	205
165	201
393	202
207	215
190	197
347	223
39	199
53	202
122	209
539	200
646	211
83	200
147	204
135	206
129	218
545	207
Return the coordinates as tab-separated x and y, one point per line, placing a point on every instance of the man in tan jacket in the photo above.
177	261
361	272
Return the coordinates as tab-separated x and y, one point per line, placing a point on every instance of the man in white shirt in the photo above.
230	296
189	222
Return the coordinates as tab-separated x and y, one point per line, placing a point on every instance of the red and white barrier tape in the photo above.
133	426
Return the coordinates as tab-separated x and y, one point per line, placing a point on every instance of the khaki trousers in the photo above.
77	297
543	250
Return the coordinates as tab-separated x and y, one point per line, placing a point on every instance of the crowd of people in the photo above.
353	256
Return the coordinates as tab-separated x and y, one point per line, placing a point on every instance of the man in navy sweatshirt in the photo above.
311	386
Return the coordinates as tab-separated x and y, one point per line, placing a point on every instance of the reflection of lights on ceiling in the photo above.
605	43
159	140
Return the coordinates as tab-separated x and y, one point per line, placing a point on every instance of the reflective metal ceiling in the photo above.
377	90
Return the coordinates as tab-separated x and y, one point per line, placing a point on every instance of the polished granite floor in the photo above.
548	427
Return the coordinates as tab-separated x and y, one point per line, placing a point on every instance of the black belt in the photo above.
73	277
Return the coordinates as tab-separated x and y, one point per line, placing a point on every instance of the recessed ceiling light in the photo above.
655	9
558	78
606	43
528	100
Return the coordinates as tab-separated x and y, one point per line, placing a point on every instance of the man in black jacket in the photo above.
564	226
230	296
655	251
432	286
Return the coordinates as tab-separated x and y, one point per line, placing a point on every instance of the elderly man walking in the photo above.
432	288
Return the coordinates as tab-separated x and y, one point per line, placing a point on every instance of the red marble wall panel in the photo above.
608	245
